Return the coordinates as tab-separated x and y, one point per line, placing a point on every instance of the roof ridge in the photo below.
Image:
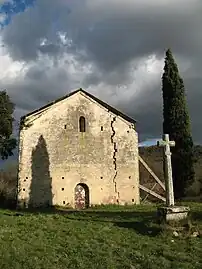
110	108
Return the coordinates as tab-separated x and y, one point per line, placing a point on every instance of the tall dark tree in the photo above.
7	142
176	123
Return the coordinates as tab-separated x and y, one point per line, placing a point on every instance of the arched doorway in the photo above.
81	193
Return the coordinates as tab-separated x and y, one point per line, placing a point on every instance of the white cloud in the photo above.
141	73
2	18
9	69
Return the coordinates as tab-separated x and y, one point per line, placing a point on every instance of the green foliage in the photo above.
7	143
8	185
177	124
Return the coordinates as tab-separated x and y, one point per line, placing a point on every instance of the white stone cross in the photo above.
166	144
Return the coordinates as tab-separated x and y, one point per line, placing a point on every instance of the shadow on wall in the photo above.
41	185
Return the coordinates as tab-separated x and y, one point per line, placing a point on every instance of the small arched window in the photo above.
82	124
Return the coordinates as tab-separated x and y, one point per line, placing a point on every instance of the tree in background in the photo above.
7	142
8	186
176	123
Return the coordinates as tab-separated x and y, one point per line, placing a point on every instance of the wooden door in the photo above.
80	197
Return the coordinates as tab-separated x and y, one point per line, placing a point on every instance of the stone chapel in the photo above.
76	152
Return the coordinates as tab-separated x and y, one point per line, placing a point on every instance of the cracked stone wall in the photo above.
54	156
114	158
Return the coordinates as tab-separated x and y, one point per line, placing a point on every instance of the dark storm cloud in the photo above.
147	110
42	85
194	97
109	35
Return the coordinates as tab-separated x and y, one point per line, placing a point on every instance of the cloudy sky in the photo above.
111	48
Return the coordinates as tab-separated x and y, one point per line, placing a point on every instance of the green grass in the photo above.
101	237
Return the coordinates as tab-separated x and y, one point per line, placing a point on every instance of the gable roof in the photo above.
108	107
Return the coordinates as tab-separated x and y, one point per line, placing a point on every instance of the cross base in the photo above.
167	214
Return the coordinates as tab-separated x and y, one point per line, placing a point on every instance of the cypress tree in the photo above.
176	123
7	142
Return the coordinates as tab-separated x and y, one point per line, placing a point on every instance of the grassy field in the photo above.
103	237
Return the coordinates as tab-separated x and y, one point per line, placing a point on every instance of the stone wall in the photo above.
54	156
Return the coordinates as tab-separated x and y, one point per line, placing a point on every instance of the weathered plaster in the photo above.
105	159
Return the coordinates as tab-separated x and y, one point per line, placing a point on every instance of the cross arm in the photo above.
165	142
162	143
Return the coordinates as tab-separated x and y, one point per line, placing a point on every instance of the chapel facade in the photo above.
76	152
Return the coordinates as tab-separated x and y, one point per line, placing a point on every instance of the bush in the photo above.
8	185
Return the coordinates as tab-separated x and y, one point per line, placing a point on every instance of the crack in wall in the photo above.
114	156
114	161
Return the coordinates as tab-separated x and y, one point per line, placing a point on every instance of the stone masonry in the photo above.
54	156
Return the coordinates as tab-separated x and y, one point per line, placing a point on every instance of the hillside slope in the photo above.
153	156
